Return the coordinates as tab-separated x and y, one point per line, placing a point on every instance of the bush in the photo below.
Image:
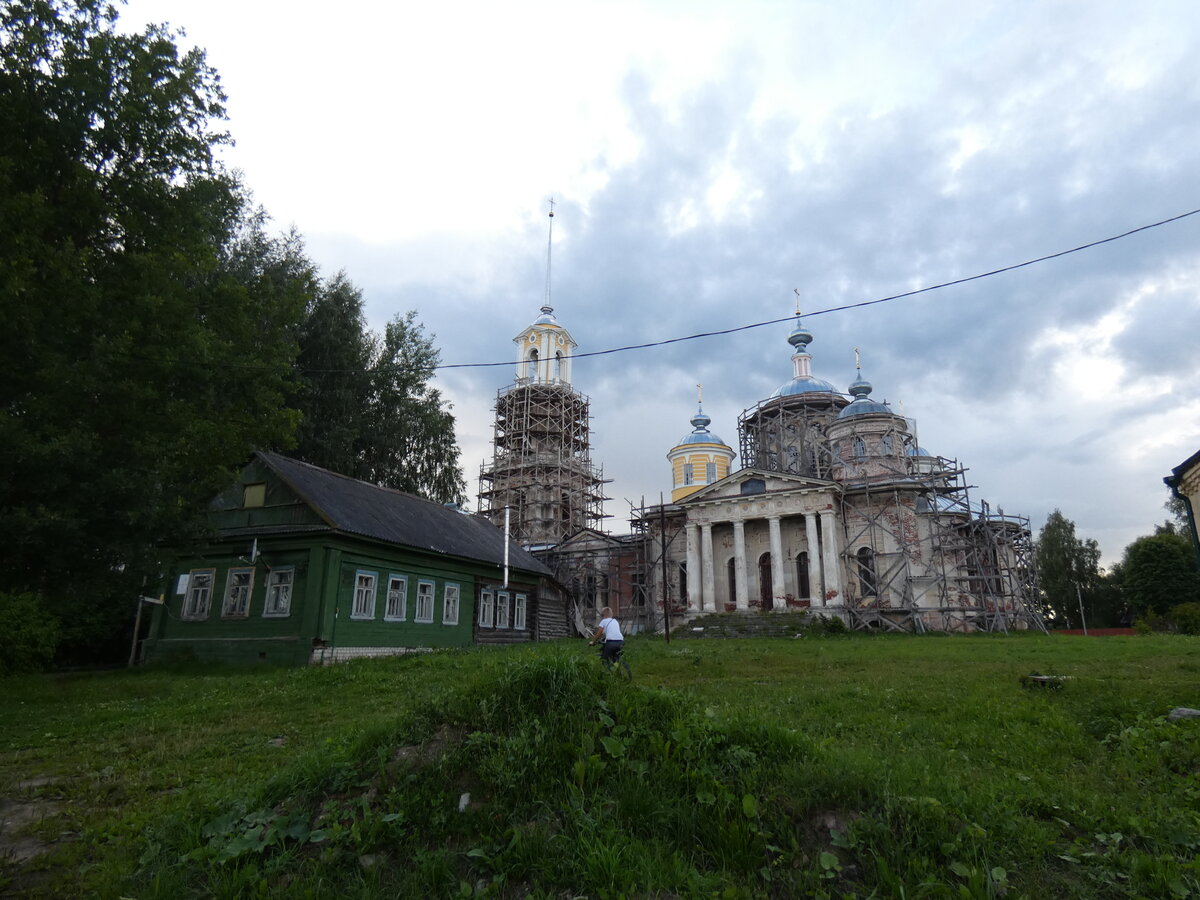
30	634
1186	617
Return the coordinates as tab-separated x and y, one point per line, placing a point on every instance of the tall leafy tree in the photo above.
1158	572
1065	562
336	350
149	325
369	410
409	441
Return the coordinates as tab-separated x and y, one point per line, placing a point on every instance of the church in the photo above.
835	509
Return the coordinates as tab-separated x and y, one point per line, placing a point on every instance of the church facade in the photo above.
836	510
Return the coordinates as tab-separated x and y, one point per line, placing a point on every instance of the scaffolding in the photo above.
934	558
788	434
541	469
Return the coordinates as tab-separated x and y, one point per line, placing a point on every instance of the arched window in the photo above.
885	445
866	571
802	587
533	361
558	366
860	448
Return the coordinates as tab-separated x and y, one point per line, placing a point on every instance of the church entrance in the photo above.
766	591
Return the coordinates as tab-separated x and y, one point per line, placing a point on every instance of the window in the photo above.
424	602
279	592
254	495
885	445
866	571
397	599
486	606
238	586
519	612
802	586
710	472
683	584
860	448
687	473
531	372
450	604
199	592
502	610
558	366
364	596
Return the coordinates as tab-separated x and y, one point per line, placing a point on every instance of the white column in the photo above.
709	589
693	567
833	568
816	586
739	565
778	587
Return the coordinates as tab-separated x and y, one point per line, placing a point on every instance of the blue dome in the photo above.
700	433
805	384
701	437
547	316
864	407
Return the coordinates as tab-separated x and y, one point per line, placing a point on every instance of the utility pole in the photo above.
662	530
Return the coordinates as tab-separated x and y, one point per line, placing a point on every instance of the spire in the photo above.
860	387
547	309
800	338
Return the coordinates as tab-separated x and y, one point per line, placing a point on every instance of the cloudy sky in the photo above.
708	159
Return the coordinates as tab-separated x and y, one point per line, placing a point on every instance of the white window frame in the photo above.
710	472
425	602
519	612
199	596
278	588
397	589
451	597
502	609
363	596
486	608
239	608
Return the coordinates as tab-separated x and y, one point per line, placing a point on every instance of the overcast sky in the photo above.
707	159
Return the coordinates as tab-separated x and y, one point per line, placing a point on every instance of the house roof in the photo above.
358	507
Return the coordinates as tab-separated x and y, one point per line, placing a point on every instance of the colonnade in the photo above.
824	571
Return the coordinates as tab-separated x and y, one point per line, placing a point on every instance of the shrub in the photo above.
1186	617
30	634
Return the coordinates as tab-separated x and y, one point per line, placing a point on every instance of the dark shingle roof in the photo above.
358	507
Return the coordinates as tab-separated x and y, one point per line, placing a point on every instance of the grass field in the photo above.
884	766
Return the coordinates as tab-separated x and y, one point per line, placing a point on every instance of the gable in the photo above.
260	499
751	482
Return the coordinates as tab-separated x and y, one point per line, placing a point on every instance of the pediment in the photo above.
588	539
755	482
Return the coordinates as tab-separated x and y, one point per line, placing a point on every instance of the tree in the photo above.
335	354
149	324
409	439
1065	563
1158	572
368	408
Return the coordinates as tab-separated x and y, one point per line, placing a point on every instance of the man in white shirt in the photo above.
608	629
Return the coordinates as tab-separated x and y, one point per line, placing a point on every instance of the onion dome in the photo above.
862	404
802	381
700	433
547	316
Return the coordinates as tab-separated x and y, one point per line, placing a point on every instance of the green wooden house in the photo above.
308	566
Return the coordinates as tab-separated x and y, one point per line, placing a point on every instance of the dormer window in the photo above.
254	496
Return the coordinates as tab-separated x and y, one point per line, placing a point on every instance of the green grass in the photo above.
885	766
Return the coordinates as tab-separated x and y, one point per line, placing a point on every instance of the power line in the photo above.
833	309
